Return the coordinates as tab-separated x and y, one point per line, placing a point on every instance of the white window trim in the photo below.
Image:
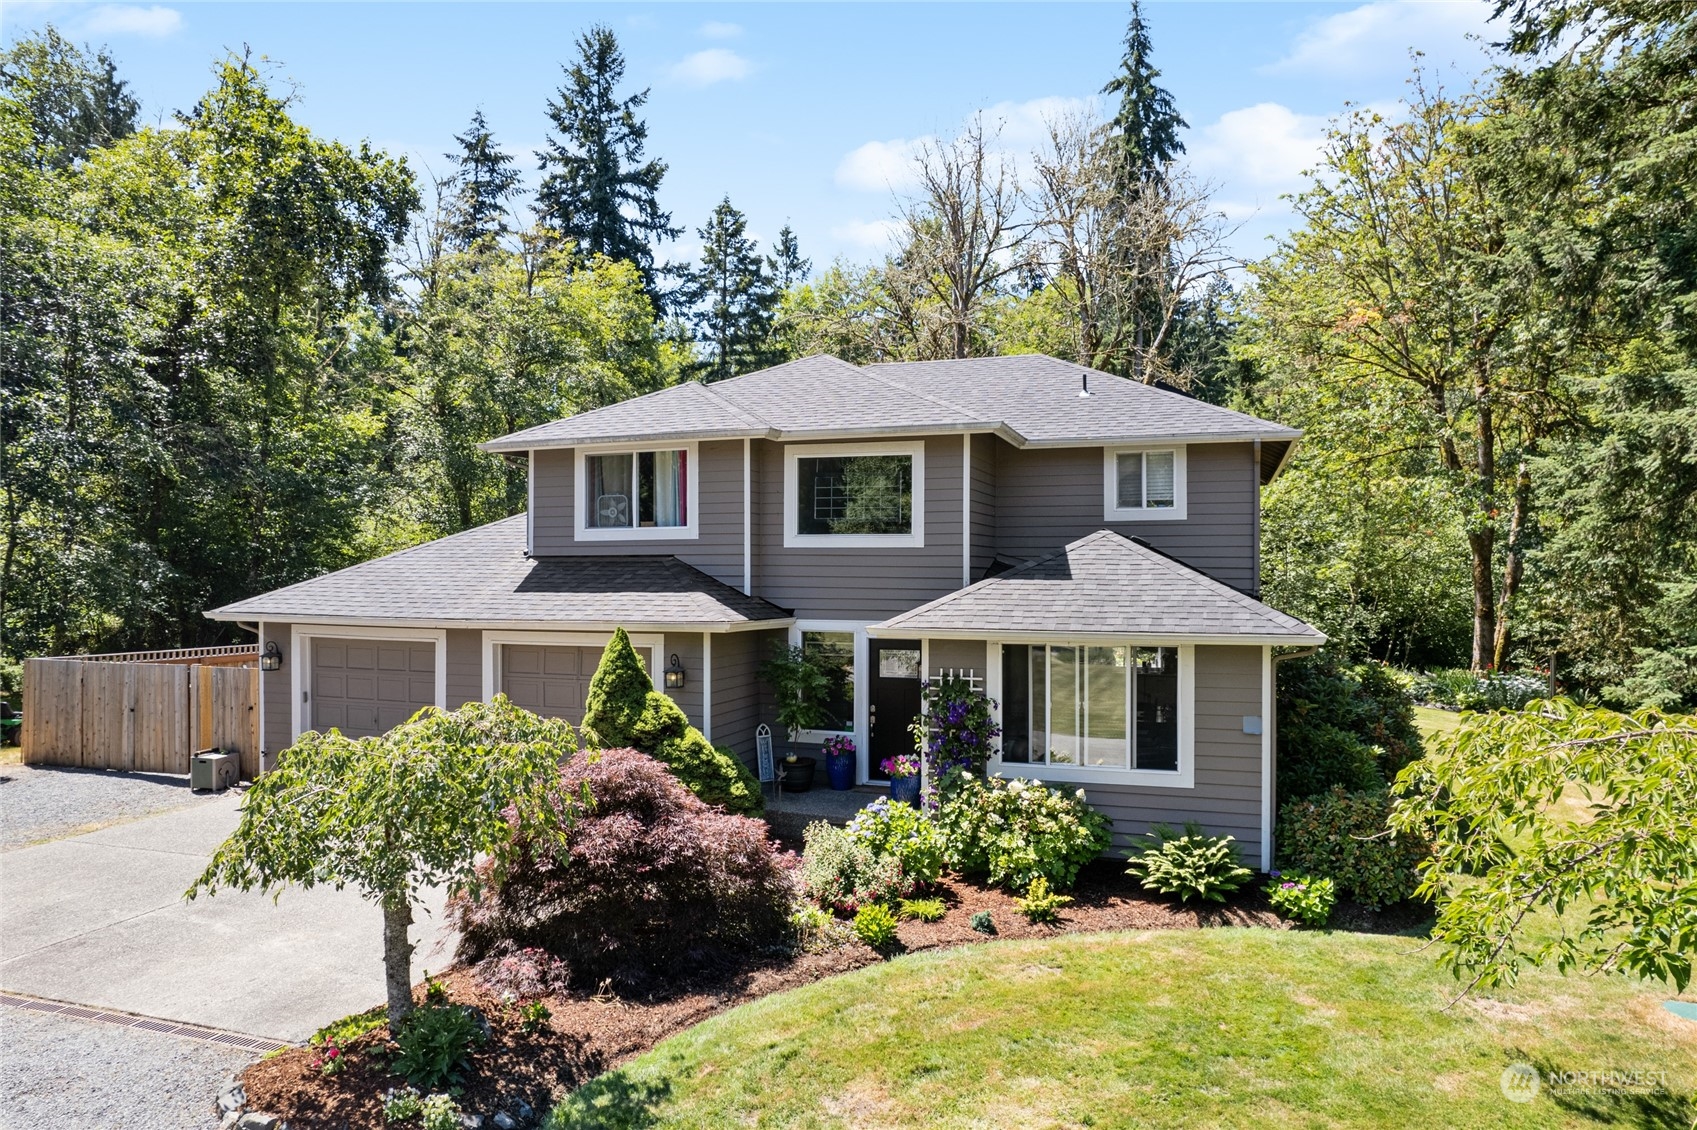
1182	778
793	453
689	531
492	642
861	688
1114	512
300	659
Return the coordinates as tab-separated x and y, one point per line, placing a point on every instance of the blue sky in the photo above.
802	113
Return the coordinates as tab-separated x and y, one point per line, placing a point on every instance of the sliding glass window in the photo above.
1113	707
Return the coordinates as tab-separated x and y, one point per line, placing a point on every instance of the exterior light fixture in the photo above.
675	673
272	660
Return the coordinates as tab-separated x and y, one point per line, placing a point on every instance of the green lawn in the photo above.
1219	1027
1432	722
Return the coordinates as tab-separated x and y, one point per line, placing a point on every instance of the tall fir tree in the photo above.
482	184
787	266
734	297
1145	128
597	193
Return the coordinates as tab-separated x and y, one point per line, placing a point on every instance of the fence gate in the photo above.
144	715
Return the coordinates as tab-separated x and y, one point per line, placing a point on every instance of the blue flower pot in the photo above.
840	767
905	789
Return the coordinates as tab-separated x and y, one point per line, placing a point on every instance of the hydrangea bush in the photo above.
891	828
1013	831
1304	899
842	873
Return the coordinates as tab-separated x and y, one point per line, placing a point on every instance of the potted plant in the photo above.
903	770
839	761
801	688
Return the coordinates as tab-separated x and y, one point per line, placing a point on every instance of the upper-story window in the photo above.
854	494
1144	484
637	494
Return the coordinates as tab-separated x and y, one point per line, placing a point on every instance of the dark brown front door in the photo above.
893	703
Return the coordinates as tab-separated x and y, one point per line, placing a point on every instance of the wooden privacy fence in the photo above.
145	715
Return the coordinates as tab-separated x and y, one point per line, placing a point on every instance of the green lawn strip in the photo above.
1433	723
1219	1027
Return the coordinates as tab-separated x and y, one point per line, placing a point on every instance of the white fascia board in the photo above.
898	631
527	625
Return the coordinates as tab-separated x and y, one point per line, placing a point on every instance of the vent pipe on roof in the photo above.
1084	384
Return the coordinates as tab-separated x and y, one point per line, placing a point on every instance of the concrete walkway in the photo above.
99	919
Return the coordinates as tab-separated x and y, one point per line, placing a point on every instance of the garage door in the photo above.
552	681
367	687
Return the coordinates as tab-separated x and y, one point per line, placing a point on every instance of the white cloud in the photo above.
714	29
131	19
1379	35
876	234
880	166
1259	151
1024	126
716	64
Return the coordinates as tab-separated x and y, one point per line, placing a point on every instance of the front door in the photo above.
893	703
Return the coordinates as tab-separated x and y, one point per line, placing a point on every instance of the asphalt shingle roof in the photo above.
482	576
1104	584
1029	400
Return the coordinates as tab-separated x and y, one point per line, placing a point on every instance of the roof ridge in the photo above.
1180	569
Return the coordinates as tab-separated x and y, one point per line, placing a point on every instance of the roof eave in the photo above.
891	630
516	444
714	627
1284	435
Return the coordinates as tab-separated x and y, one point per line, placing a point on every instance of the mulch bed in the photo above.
589	1034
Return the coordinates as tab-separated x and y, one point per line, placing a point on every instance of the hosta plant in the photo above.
1191	865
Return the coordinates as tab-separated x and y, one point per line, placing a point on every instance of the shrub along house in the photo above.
1082	547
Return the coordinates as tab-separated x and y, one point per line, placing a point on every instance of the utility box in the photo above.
212	770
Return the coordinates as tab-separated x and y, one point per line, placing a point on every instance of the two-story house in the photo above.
1084	547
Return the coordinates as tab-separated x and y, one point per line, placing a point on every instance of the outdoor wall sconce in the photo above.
675	673
272	660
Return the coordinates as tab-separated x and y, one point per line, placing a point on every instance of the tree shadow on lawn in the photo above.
1614	1097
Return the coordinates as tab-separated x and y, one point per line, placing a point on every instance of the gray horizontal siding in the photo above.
959	655
737	690
851	583
1050	497
687	646
716	552
1226	799
276	694
983	503
465	667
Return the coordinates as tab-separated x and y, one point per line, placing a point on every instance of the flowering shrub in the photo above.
527	974
956	729
1347	836
1303	899
1192	865
398	1106
1013	831
440	1112
839	745
844	874
888	827
1466	690
901	765
647	877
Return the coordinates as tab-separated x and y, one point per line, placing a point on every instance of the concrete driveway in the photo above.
99	920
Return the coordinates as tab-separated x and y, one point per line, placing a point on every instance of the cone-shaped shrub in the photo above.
647	880
625	711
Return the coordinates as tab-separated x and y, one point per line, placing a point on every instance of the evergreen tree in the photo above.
787	266
1145	129
483	184
598	194
735	299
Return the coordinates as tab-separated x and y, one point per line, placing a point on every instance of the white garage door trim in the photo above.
492	642
300	648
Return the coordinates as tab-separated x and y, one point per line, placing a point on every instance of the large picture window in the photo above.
843	495
1091	707
1145	484
633	491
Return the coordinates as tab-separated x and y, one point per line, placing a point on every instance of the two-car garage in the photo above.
366	687
552	679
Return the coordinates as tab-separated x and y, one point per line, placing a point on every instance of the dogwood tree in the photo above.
398	814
